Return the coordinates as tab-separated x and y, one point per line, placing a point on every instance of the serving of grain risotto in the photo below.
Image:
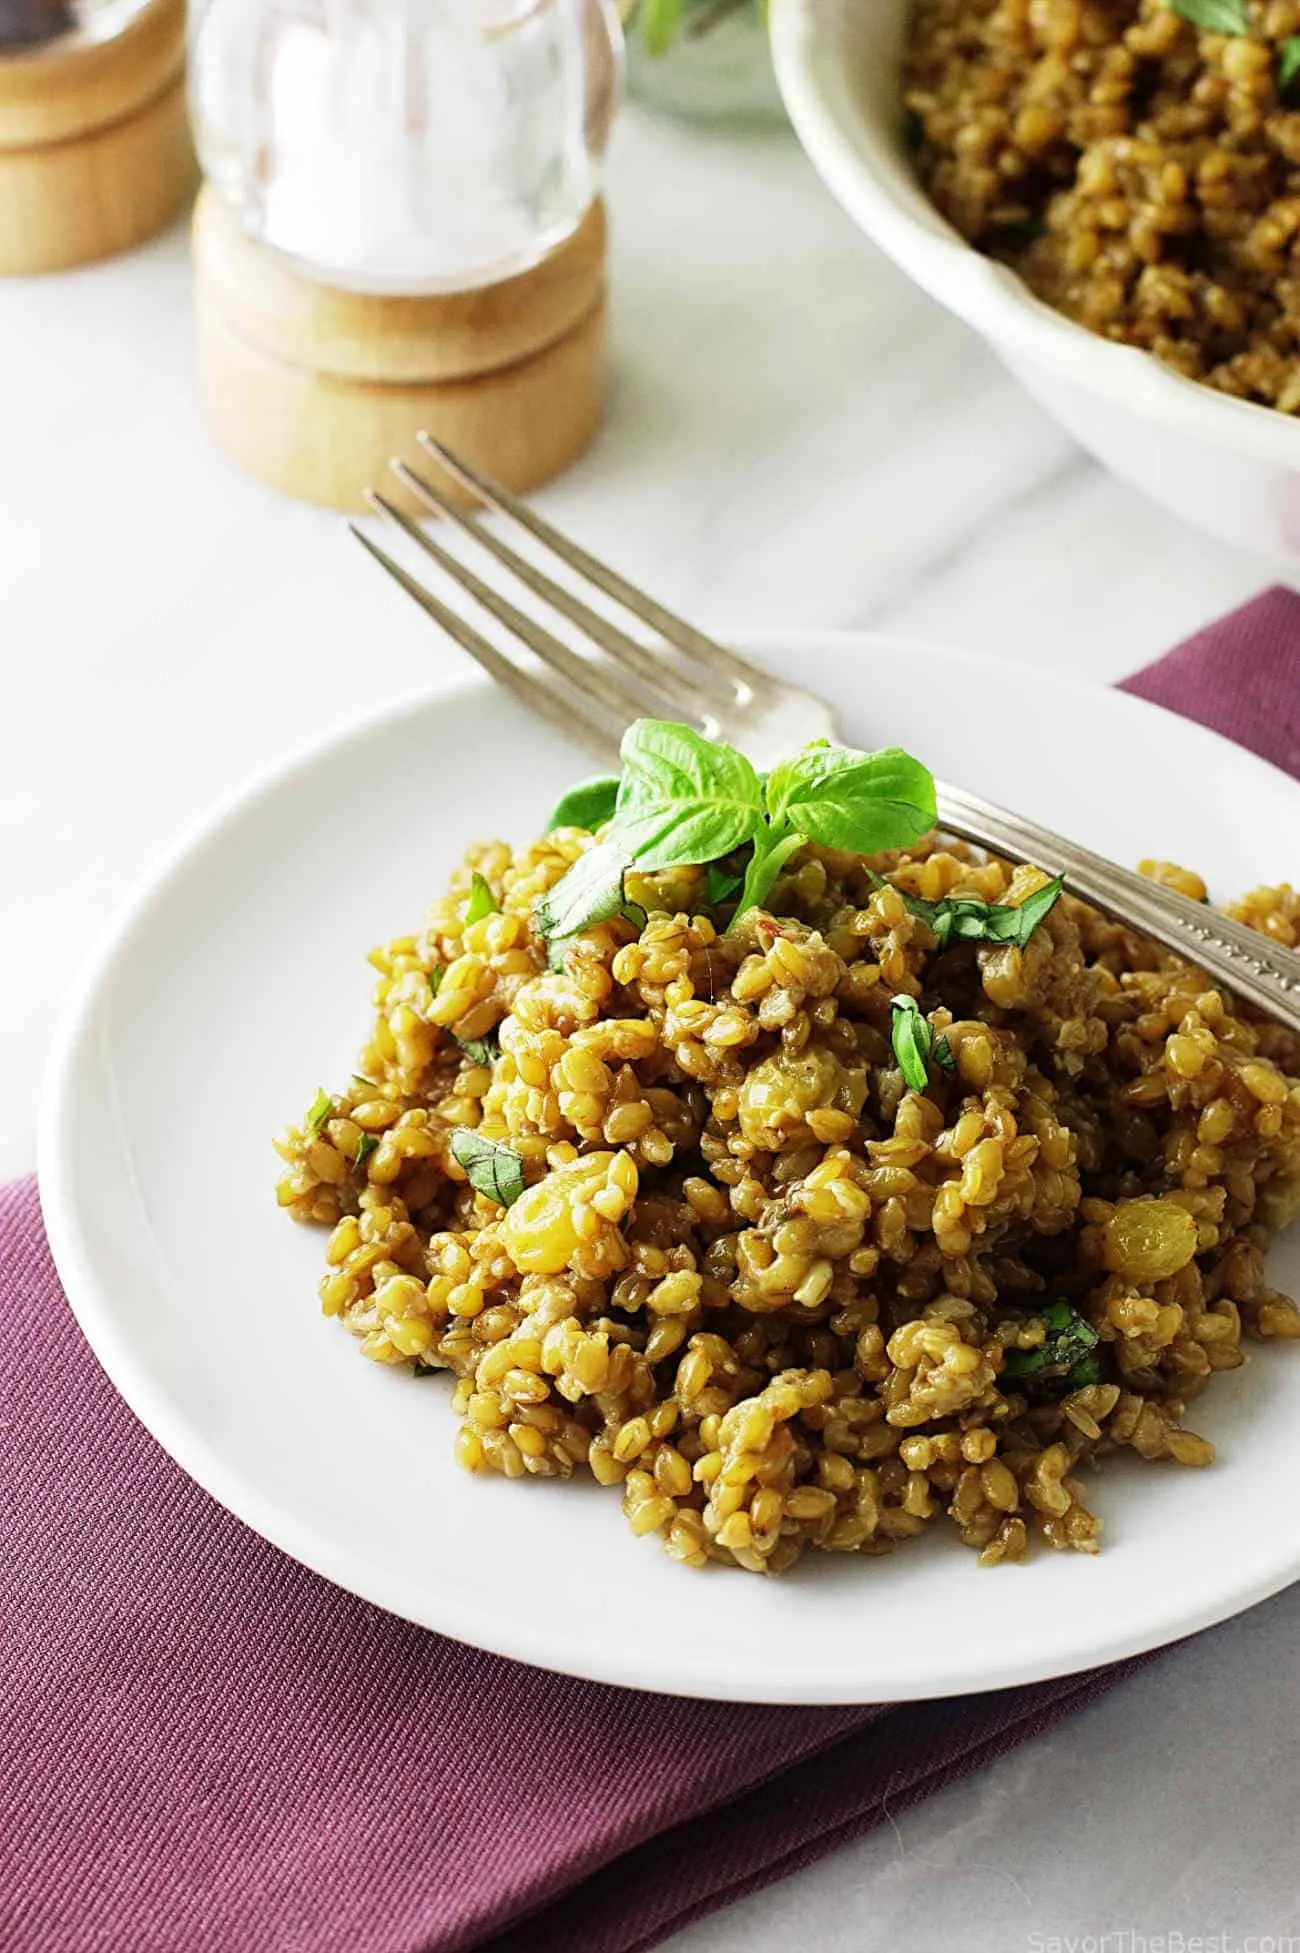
818	1227
1140	172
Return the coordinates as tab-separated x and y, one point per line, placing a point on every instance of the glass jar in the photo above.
405	146
717	68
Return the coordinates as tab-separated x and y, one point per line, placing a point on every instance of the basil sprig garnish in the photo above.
481	900
1214	16
365	1147
912	1039
1065	1360
589	804
491	1169
968	919
685	800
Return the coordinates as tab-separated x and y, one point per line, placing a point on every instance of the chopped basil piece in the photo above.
365	1147
359	1078
1214	16
968	919
591	892
943	1054
1018	233
480	1051
911	1037
491	1169
481	900
1035	907
658	22
319	1110
590	804
1065	1360
1288	63
436	974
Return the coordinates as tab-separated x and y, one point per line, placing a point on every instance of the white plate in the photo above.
236	983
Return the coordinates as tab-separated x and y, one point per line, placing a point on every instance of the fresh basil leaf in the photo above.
480	1051
493	1170
590	804
943	1054
683	798
1214	16
911	1037
1288	63
1065	1360
970	920
365	1147
436	974
591	891
720	884
862	801
319	1110
481	900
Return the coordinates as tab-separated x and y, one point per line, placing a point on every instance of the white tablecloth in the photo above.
794	435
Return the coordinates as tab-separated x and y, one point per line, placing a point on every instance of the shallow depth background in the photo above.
897	479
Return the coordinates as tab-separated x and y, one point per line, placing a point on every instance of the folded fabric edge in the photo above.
678	1877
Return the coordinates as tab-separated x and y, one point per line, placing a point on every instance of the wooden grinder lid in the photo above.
312	388
94	147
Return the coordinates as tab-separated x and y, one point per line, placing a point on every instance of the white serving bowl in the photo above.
1231	468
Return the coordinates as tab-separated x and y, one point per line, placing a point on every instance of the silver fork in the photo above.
592	695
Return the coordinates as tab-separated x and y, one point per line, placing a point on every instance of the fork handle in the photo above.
1266	974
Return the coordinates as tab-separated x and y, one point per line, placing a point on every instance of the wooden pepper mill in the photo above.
312	388
95	150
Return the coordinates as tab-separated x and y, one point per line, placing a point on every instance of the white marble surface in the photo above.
793	434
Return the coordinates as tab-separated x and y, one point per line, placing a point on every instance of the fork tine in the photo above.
680	690
622	699
562	706
681	635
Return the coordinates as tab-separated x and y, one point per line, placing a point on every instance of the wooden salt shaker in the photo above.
312	388
95	150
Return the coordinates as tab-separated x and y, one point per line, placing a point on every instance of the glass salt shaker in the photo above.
405	146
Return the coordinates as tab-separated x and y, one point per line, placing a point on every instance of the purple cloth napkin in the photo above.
204	1748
